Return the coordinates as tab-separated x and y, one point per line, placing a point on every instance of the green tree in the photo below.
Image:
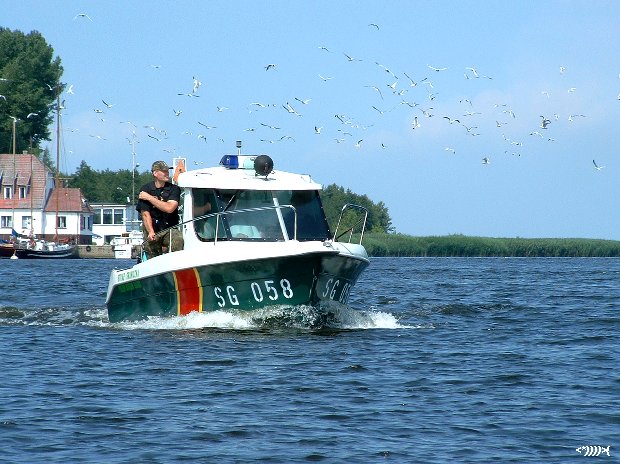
335	197
108	186
29	84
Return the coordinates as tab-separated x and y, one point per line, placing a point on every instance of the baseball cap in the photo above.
160	166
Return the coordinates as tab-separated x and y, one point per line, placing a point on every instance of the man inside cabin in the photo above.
158	206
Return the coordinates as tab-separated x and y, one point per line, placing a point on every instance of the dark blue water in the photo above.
433	360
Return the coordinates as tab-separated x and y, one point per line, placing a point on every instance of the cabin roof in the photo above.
244	179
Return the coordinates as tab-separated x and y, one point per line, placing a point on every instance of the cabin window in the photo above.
254	224
204	203
6	222
97	216
253	215
8	192
61	222
311	222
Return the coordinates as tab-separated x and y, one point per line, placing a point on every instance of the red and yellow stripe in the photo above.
189	291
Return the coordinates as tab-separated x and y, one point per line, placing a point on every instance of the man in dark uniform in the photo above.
158	205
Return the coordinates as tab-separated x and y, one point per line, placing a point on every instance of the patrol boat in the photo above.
253	237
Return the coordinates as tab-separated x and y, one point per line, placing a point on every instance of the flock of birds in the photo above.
414	99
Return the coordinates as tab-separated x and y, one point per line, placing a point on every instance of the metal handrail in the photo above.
231	212
350	229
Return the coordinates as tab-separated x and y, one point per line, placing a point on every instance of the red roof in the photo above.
67	200
21	166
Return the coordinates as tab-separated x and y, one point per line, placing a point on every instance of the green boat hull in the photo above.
244	285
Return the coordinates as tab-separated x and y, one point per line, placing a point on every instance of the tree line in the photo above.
122	187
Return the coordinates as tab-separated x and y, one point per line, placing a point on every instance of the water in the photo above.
433	360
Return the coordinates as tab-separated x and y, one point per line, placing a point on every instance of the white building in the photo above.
111	220
31	203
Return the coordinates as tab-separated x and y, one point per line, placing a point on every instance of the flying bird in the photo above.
598	168
436	69
270	66
31	115
82	15
544	123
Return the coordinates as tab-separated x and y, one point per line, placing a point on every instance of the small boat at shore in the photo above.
49	250
263	241
37	249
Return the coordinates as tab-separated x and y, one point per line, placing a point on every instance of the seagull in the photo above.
544	123
358	144
374	25
436	69
4	97
573	116
415	124
70	89
269	126
377	89
196	84
598	168
208	127
270	66
221	108
325	78
304	102
486	160
450	120
177	113
31	115
474	72
350	58
324	48
82	15
317	129
109	105
98	111
413	83
450	149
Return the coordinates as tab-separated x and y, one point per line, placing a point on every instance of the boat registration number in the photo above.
260	290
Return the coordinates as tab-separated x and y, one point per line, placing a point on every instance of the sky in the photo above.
482	118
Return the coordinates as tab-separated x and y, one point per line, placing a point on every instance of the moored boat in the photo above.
126	246
253	237
49	250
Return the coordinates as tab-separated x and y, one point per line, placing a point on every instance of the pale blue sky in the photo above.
555	59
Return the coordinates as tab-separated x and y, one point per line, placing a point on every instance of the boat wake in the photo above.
332	316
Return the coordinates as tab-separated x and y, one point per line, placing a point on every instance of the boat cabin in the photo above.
232	202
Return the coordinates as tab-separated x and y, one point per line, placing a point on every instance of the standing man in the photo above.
158	205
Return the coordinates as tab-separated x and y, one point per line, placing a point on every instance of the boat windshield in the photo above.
259	215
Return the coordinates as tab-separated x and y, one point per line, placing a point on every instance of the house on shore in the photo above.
32	204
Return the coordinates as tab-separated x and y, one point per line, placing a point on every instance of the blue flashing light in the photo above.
230	161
